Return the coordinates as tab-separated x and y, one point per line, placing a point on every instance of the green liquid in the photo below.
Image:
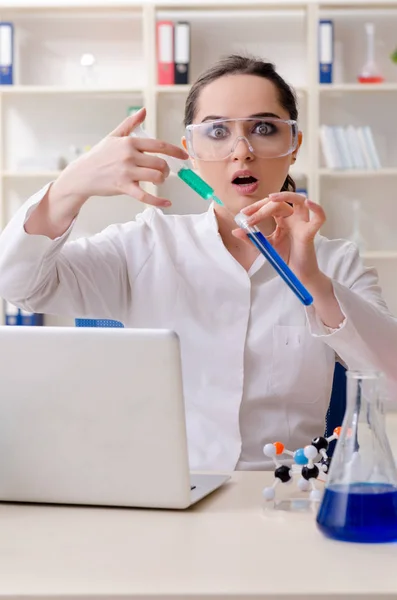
197	184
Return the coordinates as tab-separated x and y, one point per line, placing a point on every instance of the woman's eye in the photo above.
218	133
265	128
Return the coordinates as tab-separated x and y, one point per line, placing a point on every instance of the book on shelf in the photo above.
326	50
6	53
17	316
349	147
173	52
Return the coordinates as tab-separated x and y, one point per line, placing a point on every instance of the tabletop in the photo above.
226	547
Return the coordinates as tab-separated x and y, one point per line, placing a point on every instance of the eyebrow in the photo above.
259	115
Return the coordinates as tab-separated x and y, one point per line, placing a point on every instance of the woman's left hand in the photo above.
294	234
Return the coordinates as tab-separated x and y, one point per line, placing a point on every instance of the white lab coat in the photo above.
257	364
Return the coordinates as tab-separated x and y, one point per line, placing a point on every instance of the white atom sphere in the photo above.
315	495
269	450
303	485
87	60
268	493
310	452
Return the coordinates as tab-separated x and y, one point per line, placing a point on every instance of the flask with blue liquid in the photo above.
360	498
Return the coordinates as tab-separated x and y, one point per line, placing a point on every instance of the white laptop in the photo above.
95	416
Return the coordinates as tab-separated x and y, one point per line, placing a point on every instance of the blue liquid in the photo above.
265	247
361	512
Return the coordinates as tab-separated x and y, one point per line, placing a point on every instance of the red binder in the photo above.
165	53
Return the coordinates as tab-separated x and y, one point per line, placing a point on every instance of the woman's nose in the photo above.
242	149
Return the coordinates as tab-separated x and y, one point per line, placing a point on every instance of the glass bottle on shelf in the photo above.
88	74
370	72
356	235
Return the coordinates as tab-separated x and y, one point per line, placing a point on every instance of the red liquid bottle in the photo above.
370	72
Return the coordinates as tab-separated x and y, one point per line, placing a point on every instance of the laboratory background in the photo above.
71	70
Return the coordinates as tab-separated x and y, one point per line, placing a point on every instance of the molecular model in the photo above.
304	464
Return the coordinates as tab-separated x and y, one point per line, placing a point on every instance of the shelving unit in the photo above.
357	87
392	172
51	109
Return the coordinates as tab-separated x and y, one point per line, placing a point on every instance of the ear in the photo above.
295	152
184	144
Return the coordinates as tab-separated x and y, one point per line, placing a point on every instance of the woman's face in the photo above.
238	97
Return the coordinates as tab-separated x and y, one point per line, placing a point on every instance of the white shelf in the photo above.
189	5
346	5
172	89
92	5
362	88
87	91
380	255
184	89
392	172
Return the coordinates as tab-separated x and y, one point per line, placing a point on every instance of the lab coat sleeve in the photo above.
89	277
367	337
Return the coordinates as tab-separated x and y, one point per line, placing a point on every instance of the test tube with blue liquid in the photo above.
360	497
184	171
265	247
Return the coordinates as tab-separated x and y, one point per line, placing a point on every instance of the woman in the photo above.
257	365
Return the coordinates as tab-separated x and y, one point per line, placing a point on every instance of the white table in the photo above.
226	547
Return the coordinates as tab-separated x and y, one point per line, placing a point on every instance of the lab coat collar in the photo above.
212	226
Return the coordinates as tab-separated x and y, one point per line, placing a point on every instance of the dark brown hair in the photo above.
236	64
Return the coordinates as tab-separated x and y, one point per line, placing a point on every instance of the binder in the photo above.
165	53
17	316
29	318
326	50
12	316
6	53
182	52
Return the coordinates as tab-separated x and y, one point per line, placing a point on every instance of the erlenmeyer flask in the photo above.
370	72
360	497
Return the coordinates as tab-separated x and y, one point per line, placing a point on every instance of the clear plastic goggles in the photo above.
265	137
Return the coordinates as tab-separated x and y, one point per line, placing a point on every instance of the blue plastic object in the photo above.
97	323
300	457
337	404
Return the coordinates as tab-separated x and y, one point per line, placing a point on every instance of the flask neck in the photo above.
363	451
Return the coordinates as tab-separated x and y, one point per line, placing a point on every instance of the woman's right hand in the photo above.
117	165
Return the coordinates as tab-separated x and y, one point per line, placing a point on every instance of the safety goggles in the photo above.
265	137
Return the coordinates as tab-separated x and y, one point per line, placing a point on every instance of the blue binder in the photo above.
6	53
326	50
16	316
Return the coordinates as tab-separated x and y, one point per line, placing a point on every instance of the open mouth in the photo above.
245	184
244	180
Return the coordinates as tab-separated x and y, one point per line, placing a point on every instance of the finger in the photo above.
159	147
291	197
149	175
252	208
317	216
296	200
152	162
240	234
129	124
270	209
135	191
